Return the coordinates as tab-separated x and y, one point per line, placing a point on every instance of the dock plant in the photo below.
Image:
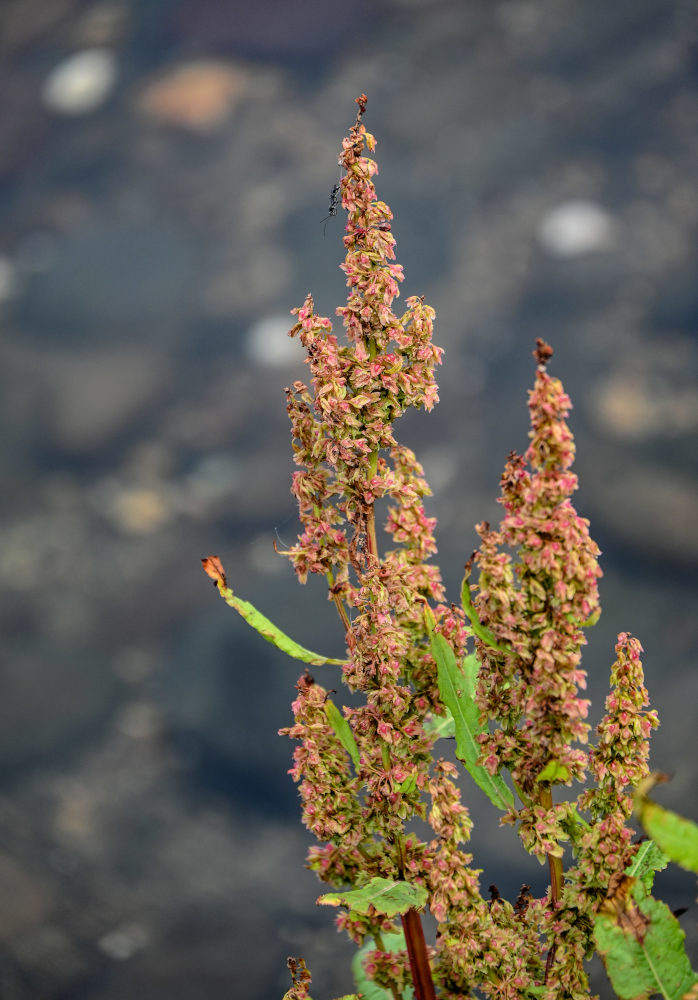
497	675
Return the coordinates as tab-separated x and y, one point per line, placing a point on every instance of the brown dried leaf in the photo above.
622	908
213	567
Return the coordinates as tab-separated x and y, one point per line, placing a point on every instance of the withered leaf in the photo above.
213	567
621	907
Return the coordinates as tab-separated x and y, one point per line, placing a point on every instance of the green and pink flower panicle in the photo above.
536	606
388	812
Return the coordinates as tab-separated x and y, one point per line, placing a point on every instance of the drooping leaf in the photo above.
457	690
642	946
388	896
259	622
675	835
369	990
343	731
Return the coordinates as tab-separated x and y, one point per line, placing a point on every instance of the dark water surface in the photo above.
541	162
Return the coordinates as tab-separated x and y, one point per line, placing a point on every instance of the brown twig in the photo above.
419	960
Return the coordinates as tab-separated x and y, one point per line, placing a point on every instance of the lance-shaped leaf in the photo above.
457	690
259	622
642	946
343	731
675	835
392	941
483	633
388	897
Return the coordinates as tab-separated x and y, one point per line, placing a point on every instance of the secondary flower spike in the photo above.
537	601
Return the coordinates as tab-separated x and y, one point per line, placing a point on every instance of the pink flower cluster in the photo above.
349	460
619	761
321	766
537	606
343	422
343	441
604	848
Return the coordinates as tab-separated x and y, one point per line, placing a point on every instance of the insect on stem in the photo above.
334	205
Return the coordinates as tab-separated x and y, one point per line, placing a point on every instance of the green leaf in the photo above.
648	860
457	690
481	631
388	896
554	771
408	785
343	731
675	835
270	632
642	947
441	727
394	941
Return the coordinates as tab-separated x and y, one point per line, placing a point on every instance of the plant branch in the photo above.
419	960
338	604
371	531
556	878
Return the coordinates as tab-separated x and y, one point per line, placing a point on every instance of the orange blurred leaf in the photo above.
213	567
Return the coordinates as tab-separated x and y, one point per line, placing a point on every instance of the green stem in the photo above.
557	878
554	863
371	530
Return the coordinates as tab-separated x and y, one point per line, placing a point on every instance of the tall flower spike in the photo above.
343	422
538	606
343	441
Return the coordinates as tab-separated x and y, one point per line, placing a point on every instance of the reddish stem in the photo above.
419	960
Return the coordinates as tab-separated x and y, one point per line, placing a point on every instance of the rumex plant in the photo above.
500	673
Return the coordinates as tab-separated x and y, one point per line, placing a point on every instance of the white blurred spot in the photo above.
81	82
574	228
124	942
269	344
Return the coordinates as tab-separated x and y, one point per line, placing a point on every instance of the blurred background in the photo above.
164	169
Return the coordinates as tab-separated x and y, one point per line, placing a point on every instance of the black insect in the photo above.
334	205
